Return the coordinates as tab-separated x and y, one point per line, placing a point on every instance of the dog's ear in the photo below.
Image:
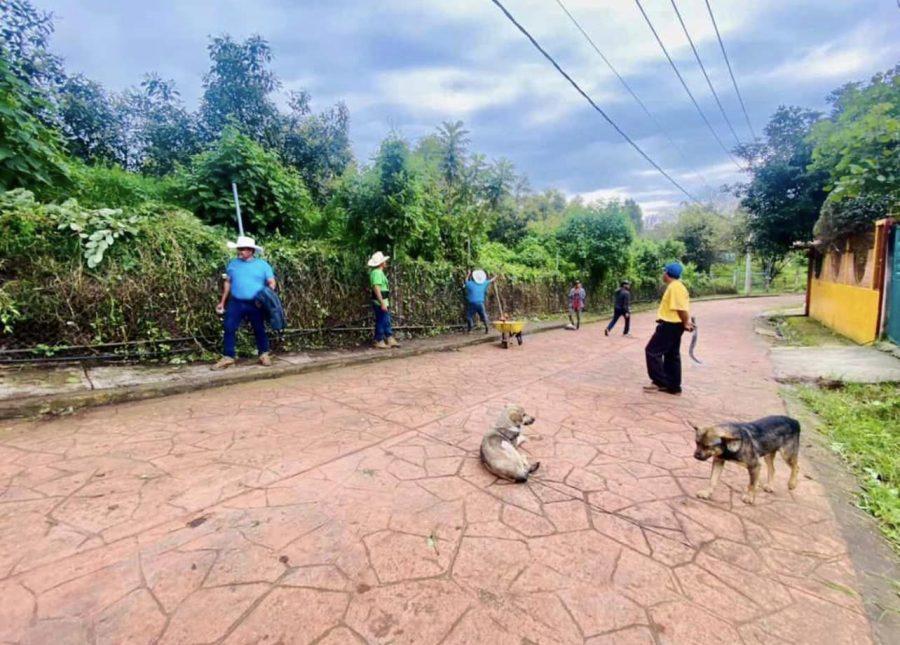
516	415
698	431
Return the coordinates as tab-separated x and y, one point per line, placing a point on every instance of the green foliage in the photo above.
861	422
236	89
91	122
850	216
110	186
859	146
165	132
317	145
783	197
98	229
386	206
273	197
29	151
697	229
596	239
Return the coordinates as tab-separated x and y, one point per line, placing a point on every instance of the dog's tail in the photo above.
794	424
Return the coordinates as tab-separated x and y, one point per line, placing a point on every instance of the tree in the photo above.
385	206
30	152
236	89
24	37
453	139
166	131
635	214
700	230
273	198
501	177
859	145
317	145
91	122
783	197
596	239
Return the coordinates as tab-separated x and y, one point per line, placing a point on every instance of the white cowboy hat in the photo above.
378	258
244	242
479	276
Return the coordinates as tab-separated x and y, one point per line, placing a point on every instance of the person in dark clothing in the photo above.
673	318
621	308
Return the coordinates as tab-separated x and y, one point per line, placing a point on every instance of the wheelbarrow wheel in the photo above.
519	339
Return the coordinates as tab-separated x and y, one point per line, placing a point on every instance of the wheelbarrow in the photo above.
508	329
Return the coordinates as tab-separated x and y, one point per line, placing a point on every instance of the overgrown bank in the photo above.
861	423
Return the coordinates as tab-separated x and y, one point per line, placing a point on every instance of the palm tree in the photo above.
454	140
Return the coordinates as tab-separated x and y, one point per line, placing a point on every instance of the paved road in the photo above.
349	506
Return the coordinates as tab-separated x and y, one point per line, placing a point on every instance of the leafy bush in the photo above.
30	154
850	216
273	198
113	187
597	242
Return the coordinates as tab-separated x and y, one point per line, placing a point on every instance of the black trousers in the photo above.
664	355
620	313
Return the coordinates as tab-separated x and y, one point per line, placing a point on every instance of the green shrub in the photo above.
113	187
272	196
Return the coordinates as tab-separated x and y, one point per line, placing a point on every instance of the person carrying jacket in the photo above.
245	277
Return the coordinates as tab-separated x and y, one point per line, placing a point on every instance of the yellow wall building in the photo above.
845	285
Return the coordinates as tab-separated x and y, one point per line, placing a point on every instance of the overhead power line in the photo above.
705	75
730	71
630	91
591	101
683	83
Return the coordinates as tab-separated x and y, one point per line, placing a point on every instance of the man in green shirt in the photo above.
384	334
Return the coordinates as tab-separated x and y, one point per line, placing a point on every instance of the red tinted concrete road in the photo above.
349	506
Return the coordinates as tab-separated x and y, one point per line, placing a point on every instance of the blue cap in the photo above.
674	269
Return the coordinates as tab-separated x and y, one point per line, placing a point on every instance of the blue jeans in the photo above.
382	323
473	308
620	313
236	312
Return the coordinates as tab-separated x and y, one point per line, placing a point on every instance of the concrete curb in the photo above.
66	403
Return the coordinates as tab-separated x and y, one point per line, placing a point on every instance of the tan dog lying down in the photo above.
499	452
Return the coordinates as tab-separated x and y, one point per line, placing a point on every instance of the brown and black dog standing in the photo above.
746	443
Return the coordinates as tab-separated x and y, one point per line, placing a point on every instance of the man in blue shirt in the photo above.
476	287
245	277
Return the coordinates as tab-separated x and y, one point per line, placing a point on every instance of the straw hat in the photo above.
378	258
244	242
479	276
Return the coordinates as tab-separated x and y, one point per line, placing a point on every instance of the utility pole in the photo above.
237	207
748	276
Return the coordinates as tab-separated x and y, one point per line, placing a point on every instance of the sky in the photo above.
406	66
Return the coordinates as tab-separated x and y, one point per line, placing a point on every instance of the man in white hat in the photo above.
476	287
384	334
245	276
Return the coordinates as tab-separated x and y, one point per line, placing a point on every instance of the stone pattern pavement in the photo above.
349	506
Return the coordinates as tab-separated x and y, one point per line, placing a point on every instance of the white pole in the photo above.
237	207
748	276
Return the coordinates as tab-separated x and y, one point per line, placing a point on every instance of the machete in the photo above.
694	342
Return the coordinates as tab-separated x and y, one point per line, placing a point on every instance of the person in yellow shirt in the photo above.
673	318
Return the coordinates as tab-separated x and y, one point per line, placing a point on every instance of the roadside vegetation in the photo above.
803	331
115	206
862	424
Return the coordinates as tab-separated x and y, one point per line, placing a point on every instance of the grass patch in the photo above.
805	332
862	423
